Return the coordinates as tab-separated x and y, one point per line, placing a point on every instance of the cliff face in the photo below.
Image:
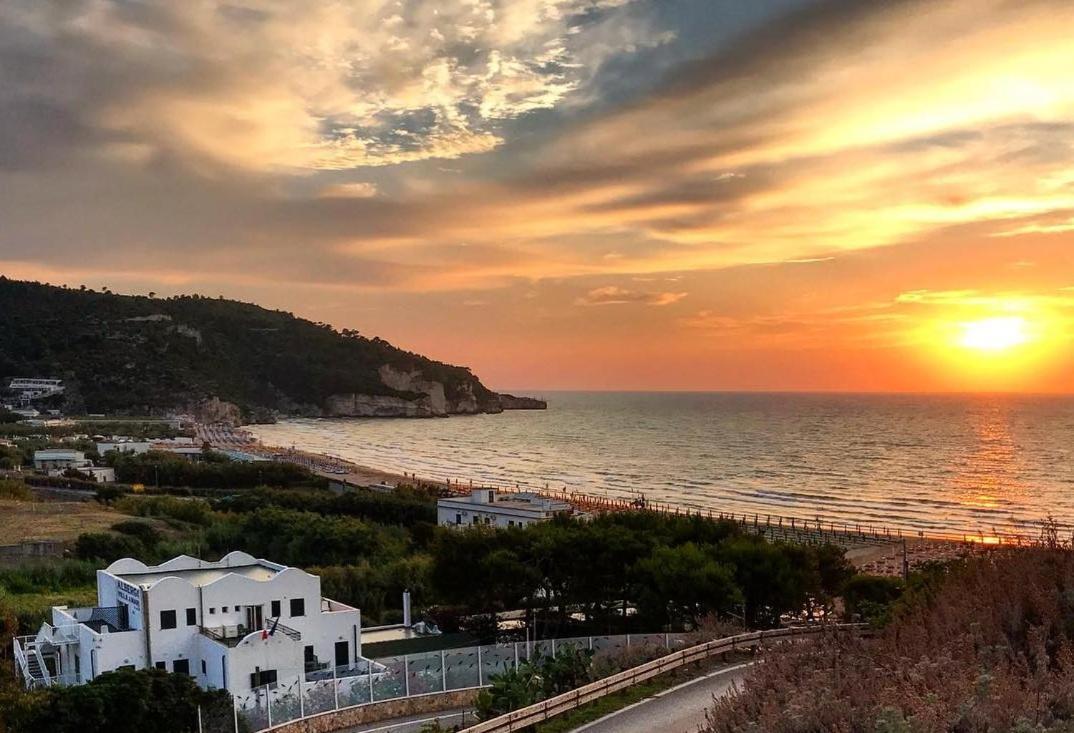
222	360
418	397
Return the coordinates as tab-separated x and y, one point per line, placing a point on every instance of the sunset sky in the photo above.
592	194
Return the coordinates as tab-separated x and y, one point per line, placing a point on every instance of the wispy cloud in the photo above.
614	295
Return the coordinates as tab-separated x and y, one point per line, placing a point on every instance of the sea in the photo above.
970	464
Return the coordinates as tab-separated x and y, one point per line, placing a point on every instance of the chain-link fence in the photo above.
392	678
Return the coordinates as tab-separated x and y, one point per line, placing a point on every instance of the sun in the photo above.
994	334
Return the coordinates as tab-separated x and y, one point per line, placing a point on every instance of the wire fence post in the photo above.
200	729
235	713
480	680
406	674
514	647
443	670
268	704
370	682
335	688
301	702
553	648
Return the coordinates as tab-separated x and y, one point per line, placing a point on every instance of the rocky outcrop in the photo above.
215	410
510	402
418	396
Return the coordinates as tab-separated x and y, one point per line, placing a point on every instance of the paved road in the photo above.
680	709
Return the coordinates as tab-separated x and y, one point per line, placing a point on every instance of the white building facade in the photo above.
234	624
60	459
488	507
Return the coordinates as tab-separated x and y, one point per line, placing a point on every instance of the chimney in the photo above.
406	609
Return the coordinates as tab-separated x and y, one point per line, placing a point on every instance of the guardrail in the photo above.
553	706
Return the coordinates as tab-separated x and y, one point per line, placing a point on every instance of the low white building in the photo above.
233	624
134	447
60	458
496	509
100	474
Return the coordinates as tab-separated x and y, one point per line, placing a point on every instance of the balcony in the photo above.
230	636
102	619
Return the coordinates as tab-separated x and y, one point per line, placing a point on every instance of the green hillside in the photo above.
135	354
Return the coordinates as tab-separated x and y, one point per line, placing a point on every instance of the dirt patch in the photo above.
21	521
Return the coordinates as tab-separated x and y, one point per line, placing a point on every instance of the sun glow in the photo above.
994	334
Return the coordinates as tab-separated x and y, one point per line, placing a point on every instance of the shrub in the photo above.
982	645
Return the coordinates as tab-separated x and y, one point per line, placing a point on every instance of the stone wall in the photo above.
380	711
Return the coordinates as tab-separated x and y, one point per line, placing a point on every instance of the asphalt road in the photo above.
680	709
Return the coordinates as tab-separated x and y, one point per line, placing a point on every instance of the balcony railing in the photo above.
231	635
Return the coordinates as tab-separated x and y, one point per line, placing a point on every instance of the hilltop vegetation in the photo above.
142	355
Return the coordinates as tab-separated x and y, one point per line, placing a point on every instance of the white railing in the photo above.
415	675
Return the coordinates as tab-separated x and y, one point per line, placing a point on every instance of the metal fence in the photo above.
524	717
411	675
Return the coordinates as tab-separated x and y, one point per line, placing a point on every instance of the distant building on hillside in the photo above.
60	458
24	390
488	507
234	624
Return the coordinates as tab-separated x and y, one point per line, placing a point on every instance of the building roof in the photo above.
198	577
47	454
194	571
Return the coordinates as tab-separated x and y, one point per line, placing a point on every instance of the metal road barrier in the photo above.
553	706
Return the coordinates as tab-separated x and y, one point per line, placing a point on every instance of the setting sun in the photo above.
994	334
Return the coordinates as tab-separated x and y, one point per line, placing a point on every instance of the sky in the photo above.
856	195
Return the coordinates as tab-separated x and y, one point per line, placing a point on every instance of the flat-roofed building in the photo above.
59	458
234	624
489	507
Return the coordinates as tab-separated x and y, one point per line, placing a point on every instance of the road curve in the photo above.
680	709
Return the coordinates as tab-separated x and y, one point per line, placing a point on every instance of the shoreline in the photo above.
872	550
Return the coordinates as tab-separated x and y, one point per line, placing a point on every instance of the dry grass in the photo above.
52	520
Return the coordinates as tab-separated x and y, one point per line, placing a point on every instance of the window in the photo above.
476	519
298	607
167	619
510	523
203	668
275	609
262	677
492	497
223	610
212	610
181	666
458	518
161	665
191	617
488	520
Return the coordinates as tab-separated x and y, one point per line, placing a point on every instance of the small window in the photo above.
275	609
458	519
167	619
192	617
203	668
492	497
212	610
223	609
263	677
158	665
181	666
298	607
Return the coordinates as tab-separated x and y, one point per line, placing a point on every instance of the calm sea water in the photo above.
927	463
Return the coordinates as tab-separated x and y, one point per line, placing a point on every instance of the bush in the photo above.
981	645
12	489
107	547
127	701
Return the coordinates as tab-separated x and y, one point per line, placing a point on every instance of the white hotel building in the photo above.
488	507
211	620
